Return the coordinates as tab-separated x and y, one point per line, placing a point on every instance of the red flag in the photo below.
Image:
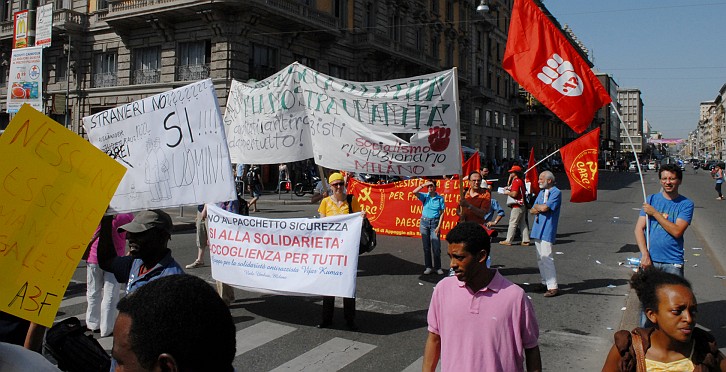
473	164
542	60
532	176
580	160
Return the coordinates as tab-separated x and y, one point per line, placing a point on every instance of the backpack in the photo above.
75	351
368	240
252	177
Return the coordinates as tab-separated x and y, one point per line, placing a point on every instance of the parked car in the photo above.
651	165
633	166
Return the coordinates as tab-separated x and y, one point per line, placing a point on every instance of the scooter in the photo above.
307	186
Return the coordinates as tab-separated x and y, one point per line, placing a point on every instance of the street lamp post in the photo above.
68	80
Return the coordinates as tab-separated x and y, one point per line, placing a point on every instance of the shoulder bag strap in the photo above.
639	352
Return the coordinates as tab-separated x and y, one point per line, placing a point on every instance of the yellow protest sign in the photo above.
54	189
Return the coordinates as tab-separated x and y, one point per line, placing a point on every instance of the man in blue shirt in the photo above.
431	217
669	215
149	258
546	211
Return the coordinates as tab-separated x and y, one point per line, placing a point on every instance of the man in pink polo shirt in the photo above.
479	321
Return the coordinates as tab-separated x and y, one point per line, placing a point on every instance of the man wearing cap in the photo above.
148	235
517	217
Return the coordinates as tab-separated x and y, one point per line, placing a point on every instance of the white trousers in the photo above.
102	293
546	263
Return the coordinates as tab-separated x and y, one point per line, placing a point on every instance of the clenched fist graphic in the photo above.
560	74
439	138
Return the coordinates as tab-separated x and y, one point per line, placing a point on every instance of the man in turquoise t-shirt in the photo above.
431	217
669	215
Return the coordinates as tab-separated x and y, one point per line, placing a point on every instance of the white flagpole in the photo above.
640	173
538	163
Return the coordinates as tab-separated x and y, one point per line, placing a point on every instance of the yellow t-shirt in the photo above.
328	207
684	364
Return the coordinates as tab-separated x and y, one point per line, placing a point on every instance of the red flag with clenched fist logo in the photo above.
542	60
580	160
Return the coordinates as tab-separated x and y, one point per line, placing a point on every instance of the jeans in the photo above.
676	269
718	189
430	240
102	293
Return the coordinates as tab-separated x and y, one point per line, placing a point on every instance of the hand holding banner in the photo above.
56	187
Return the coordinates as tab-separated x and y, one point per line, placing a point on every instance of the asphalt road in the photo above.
278	333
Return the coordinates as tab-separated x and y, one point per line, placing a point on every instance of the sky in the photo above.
673	51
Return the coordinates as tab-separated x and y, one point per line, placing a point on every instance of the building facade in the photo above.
107	53
631	111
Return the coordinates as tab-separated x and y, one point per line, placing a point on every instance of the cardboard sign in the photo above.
297	256
173	145
402	127
55	189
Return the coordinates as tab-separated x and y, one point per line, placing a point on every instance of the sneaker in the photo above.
428	271
195	264
440	272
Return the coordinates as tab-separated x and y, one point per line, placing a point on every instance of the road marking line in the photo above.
330	356
259	334
73	301
417	366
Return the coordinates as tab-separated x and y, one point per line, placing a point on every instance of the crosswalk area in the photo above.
297	348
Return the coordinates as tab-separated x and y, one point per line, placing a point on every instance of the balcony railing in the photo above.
126	5
105	79
147	76
192	72
69	19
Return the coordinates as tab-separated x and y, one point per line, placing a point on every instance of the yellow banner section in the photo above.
393	210
55	187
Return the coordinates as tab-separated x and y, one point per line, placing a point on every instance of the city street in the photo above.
278	333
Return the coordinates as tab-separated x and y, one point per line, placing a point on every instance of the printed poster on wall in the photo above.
25	83
20	29
44	25
173	145
55	189
296	256
402	127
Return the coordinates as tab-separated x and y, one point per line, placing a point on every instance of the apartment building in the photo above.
631	111
107	53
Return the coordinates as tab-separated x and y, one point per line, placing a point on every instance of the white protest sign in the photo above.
402	127
173	146
299	256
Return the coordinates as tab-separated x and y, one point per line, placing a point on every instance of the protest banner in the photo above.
55	189
25	80
299	256
173	146
392	210
402	127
